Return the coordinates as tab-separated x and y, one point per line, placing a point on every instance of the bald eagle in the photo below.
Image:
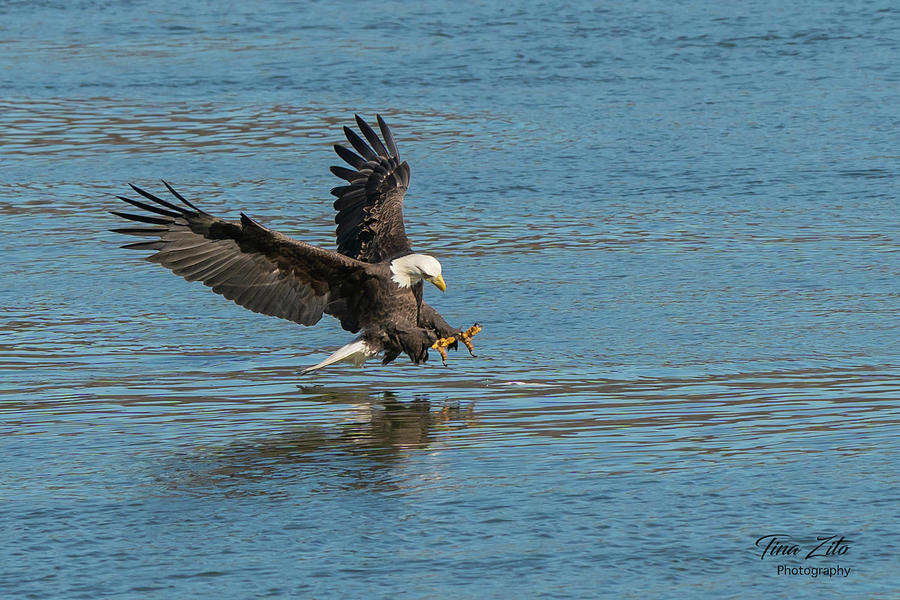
373	284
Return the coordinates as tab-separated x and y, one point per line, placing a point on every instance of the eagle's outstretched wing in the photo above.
370	208
244	261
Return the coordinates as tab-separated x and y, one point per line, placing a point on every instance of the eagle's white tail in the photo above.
357	352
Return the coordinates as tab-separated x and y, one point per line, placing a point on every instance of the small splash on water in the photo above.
527	384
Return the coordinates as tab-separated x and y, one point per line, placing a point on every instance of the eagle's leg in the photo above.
467	335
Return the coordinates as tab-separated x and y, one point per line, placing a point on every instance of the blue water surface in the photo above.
677	222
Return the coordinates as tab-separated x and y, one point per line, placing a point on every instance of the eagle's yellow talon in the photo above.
441	346
466	337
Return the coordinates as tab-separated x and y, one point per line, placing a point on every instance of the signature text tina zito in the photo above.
783	545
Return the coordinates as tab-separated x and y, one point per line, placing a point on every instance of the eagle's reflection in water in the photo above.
363	451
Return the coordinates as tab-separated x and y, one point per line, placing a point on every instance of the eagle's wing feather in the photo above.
257	268
370	207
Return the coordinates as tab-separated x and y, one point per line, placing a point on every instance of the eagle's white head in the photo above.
411	269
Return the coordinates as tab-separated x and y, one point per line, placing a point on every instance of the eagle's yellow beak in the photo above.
439	283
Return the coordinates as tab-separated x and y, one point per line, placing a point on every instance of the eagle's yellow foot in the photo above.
441	346
467	335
